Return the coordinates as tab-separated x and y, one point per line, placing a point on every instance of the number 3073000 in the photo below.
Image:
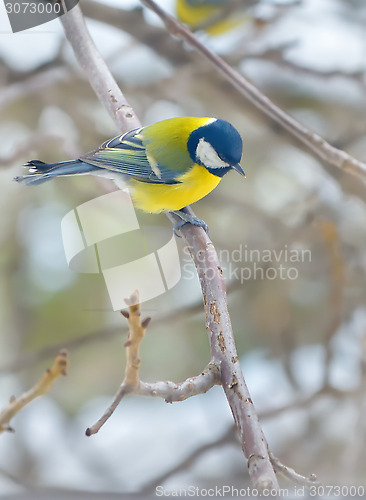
33	8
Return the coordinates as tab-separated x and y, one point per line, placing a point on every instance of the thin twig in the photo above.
357	76
34	83
337	278
120	394
135	337
229	437
292	475
315	142
17	480
43	385
131	381
277	55
35	141
29	358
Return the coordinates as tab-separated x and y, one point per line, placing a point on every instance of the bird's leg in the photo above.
187	218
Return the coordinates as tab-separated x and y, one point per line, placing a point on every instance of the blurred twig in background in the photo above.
43	385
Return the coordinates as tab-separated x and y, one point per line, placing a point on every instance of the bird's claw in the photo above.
188	219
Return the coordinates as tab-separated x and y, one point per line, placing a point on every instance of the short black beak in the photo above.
239	169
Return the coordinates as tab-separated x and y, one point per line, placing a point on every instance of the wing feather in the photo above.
126	154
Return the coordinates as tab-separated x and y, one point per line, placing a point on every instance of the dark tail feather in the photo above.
39	172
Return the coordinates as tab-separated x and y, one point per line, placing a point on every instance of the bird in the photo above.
208	15
166	166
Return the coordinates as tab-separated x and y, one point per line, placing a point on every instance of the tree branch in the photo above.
131	380
135	337
193	386
224	353
217	317
292	475
132	384
337	273
315	142
97	71
43	385
34	83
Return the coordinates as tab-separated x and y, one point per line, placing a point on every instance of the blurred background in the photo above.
291	239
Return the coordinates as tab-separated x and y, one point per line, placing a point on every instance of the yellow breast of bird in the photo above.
193	186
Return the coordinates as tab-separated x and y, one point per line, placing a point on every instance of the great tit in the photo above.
166	166
195	13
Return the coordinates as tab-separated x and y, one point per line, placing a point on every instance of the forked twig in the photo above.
132	384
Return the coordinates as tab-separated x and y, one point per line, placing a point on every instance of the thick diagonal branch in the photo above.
224	353
98	73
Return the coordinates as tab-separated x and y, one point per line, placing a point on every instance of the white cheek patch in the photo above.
208	156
